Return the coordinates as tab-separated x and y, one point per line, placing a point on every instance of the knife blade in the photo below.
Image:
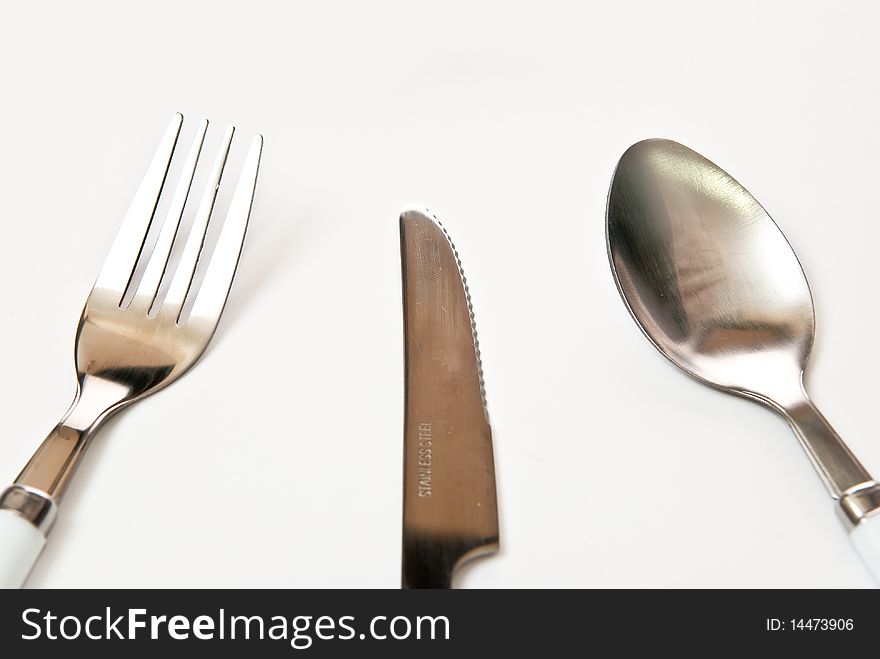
450	513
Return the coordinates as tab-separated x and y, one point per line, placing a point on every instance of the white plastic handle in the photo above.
20	545
866	538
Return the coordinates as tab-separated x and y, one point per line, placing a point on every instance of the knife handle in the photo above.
20	544
431	562
865	537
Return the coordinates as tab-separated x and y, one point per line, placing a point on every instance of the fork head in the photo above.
145	344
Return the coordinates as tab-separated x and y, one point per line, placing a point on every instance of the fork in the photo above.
125	350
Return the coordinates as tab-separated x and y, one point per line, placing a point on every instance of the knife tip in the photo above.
413	216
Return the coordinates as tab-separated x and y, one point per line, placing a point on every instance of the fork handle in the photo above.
20	544
26	515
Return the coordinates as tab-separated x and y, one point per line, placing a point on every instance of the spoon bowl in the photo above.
693	252
712	282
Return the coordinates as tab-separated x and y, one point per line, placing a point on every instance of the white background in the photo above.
277	461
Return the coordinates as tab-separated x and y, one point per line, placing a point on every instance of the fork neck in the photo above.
96	398
50	468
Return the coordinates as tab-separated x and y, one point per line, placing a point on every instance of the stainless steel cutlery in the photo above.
714	285
125	350
703	269
450	512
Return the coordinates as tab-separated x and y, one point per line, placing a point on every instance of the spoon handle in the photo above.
860	510
866	538
846	479
839	469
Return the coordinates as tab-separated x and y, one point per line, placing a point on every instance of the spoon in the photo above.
715	286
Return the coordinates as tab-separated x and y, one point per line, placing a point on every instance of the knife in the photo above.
450	513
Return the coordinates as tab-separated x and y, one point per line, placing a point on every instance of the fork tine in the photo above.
214	290
182	280
152	279
119	265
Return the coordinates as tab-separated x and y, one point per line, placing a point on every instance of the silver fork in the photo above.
124	350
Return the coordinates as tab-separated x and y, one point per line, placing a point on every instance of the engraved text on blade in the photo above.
426	459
